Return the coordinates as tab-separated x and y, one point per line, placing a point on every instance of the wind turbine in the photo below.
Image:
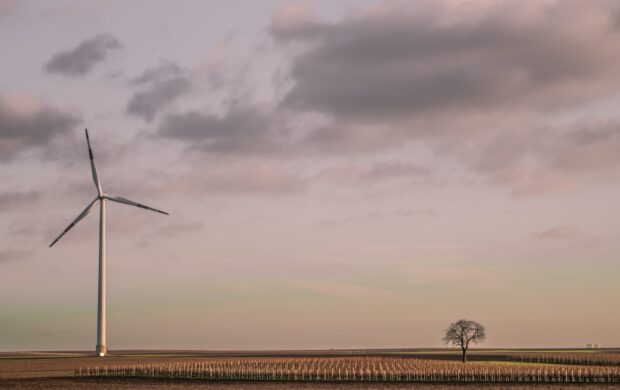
101	197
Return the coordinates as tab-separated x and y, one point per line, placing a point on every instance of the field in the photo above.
389	369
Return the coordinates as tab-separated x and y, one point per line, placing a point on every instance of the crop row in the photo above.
358	369
581	359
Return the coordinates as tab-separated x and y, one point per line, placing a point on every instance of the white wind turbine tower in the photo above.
101	197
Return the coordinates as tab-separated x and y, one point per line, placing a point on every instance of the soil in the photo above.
56	371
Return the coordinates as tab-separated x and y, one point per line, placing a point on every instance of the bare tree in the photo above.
463	332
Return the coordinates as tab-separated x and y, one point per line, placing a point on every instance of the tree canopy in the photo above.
463	332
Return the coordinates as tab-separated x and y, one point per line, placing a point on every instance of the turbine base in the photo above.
102	350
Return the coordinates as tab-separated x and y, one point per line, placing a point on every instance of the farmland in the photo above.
359	369
313	369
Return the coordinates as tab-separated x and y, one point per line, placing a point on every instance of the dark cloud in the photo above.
401	61
475	86
27	125
242	129
163	85
13	200
81	59
339	137
164	71
398	74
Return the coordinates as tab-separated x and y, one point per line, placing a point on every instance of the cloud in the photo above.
29	123
164	84
591	147
13	200
265	178
382	170
477	85
400	61
7	255
163	71
82	59
294	21
561	232
547	159
473	86
250	177
242	129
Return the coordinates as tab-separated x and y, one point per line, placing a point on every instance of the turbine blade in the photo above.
92	166
75	221
120	199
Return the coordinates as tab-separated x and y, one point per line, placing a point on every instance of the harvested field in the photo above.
580	359
213	370
127	383
358	369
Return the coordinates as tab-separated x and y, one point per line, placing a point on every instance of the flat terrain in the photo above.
42	370
111	384
114	384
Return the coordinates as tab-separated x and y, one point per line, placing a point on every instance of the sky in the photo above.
339	174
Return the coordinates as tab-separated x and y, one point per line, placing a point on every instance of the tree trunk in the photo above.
464	355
